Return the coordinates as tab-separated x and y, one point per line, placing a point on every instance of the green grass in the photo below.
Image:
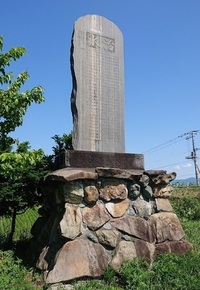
192	233
169	271
186	204
181	191
24	222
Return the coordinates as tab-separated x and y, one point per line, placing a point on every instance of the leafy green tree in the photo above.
21	172
14	103
20	169
63	143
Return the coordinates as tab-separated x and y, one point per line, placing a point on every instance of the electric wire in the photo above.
168	156
169	165
182	137
169	143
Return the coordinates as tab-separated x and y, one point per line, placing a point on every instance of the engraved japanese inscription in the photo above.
95	40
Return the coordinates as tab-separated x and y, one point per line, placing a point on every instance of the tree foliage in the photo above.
19	179
20	168
14	103
63	143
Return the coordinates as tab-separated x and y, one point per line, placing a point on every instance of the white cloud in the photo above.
188	165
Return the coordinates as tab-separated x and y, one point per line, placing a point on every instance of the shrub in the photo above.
192	230
13	275
135	274
169	271
110	276
95	285
172	271
186	207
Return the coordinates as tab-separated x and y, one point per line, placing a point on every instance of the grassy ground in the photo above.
24	223
180	191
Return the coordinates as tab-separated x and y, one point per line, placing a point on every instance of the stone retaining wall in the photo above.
94	218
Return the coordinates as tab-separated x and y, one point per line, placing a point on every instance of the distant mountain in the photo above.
187	181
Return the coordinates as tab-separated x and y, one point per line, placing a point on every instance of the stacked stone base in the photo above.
94	218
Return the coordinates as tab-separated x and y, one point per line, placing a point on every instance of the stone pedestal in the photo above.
91	159
92	218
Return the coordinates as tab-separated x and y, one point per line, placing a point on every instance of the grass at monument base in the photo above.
168	272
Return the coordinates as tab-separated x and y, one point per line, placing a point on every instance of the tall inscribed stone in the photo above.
97	99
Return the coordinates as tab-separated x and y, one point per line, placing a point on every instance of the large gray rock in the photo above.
179	247
144	180
145	249
69	174
91	194
134	191
95	216
166	227
73	191
117	209
163	204
70	225
91	235
134	226
113	189
124	251
108	237
42	264
147	192
164	178
78	258
142	208
164	191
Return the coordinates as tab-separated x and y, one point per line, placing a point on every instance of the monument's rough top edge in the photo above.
99	16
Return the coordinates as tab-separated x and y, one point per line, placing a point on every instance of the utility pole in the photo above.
193	155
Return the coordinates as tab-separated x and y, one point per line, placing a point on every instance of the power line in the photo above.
165	144
193	156
169	156
170	165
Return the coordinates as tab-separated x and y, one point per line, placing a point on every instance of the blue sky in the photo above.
162	71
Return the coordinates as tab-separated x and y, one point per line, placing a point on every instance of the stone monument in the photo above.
97	99
101	207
